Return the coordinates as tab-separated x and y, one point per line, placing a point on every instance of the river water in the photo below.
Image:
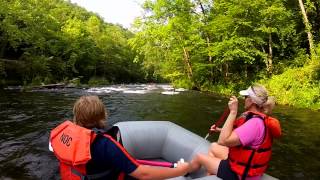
26	119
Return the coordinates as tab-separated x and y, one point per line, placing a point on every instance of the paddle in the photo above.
158	163
219	122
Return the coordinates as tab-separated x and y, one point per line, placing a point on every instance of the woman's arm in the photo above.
227	136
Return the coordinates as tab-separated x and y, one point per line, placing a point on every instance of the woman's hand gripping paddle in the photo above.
214	127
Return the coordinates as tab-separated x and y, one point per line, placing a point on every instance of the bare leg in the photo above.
210	163
218	151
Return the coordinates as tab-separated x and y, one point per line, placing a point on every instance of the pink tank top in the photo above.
251	133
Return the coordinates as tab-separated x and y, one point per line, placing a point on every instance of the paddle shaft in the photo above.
220	121
156	163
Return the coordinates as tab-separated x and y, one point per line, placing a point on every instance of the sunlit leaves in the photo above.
218	38
59	40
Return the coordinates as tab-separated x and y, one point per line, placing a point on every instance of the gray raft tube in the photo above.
165	141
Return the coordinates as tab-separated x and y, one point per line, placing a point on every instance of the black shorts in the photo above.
225	172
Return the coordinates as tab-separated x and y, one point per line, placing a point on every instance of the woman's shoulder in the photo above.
255	120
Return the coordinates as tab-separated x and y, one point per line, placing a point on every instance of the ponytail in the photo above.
269	105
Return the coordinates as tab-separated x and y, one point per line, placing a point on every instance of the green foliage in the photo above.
36	81
55	40
219	88
224	39
221	46
226	45
300	59
296	86
2	70
75	81
183	83
96	81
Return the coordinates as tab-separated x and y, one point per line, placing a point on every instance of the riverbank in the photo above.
298	87
291	88
73	83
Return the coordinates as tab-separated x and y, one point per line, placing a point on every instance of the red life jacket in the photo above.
71	145
246	161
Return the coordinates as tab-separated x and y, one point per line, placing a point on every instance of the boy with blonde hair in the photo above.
86	153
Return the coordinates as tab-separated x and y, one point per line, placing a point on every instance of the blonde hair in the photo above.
89	112
268	102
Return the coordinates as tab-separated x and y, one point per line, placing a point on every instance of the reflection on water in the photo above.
26	119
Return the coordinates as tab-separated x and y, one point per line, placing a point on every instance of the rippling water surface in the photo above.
26	119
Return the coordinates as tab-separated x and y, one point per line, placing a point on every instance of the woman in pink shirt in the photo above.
250	134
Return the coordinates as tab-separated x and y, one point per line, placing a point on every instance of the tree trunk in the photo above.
227	71
308	28
187	62
207	39
270	56
246	71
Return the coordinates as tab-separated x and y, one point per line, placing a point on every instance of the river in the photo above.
26	119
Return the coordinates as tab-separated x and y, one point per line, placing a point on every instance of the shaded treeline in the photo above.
224	45
49	41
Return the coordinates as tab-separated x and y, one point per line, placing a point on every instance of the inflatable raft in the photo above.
165	141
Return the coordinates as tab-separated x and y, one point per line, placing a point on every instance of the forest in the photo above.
49	41
219	46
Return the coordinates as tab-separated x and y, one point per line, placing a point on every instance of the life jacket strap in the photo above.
259	150
99	131
246	170
113	132
253	166
91	176
263	150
